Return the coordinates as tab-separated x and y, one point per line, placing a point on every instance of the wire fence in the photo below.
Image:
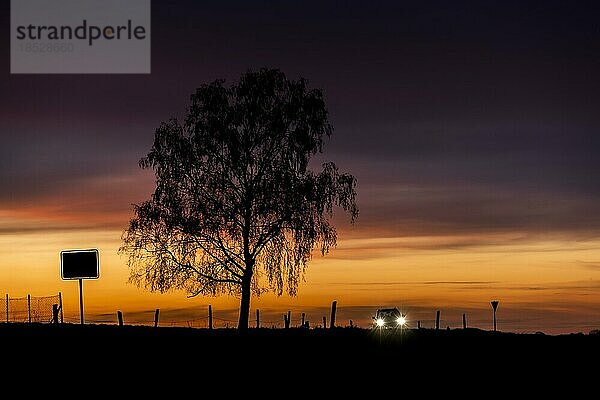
40	309
203	322
276	321
199	322
29	308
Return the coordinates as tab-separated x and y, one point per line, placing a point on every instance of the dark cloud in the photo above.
463	118
17	229
594	266
413	283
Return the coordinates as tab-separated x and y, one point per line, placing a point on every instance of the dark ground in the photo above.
305	362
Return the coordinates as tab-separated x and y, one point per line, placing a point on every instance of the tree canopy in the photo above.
237	209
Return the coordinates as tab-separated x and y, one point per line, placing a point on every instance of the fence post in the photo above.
333	310
55	313
351	326
324	322
418	324
437	320
29	307
257	318
303	319
464	321
7	308
210	317
60	308
287	319
120	318
156	317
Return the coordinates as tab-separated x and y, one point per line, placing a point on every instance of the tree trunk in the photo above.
247	278
245	304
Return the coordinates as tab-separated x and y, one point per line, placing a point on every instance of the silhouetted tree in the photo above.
236	209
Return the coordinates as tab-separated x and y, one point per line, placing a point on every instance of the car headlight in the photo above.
380	322
401	321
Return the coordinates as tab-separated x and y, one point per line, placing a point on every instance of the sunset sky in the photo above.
471	127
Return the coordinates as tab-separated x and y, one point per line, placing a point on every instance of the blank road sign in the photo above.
79	264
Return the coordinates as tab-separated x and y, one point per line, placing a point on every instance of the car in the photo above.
389	318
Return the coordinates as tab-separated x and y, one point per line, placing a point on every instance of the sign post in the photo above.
494	304
80	265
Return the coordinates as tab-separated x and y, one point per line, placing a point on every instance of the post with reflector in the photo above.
333	311
55	314
494	304
60	307
81	301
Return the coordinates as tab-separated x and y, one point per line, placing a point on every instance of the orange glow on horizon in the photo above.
535	280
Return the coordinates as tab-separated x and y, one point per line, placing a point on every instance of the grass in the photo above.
341	356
